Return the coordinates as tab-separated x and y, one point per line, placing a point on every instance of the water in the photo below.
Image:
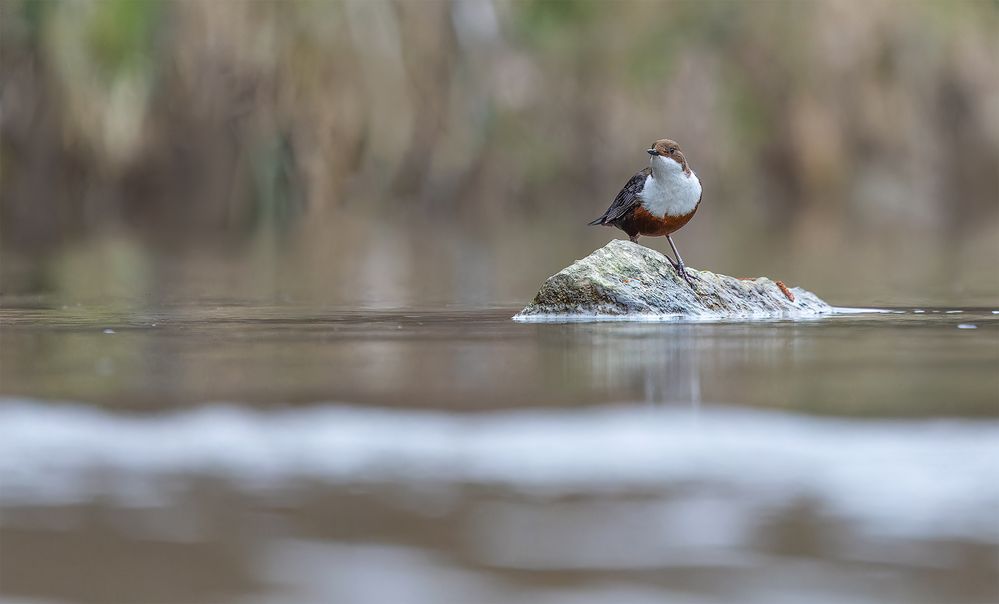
238	453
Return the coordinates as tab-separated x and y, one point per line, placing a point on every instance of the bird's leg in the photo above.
678	265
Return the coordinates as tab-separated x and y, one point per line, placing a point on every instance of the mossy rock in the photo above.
625	280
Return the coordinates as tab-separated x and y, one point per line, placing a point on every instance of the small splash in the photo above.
918	311
953	312
967	326
108	331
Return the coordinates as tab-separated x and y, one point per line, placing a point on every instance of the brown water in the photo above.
236	453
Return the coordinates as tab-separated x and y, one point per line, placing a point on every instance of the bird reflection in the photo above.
660	364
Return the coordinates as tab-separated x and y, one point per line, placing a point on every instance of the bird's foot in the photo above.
682	271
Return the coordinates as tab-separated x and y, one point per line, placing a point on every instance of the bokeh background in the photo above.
422	153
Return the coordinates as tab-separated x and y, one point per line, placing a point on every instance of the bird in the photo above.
658	200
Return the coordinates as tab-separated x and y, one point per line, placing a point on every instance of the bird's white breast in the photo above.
668	191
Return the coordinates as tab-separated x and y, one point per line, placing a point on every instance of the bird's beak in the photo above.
652	152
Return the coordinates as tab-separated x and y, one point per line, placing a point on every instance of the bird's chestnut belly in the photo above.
640	222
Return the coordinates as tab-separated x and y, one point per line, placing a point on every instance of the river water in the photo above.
244	453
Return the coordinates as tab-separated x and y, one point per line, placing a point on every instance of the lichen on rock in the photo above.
627	281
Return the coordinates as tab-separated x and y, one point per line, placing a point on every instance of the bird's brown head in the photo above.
669	149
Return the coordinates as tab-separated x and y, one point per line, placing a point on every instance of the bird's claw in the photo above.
682	271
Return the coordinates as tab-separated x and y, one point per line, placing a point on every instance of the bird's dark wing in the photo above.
626	199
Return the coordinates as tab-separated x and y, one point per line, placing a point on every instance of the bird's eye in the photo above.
672	149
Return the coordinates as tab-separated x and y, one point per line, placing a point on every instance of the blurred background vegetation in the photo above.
422	152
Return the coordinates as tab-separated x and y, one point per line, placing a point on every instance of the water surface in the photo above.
238	453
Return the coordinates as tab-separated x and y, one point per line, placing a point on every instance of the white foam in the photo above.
596	317
913	477
847	310
703	317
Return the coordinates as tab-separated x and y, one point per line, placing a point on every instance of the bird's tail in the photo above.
597	222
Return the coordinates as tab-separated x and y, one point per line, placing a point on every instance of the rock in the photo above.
627	281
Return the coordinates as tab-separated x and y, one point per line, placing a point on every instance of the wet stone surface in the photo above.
625	280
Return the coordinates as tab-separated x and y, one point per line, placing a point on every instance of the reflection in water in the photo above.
481	460
895	365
